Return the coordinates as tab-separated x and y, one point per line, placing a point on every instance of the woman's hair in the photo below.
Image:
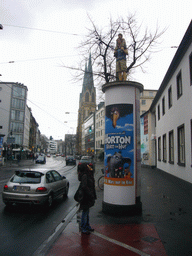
83	167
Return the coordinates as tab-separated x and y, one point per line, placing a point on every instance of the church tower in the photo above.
87	101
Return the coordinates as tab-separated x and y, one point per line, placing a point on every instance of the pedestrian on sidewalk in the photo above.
86	177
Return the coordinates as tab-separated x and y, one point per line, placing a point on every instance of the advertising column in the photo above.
122	148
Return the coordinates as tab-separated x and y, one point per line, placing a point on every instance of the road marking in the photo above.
120	244
42	250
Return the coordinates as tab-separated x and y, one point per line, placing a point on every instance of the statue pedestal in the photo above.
122	148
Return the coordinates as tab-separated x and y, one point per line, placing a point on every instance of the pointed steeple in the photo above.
88	76
90	73
87	101
85	78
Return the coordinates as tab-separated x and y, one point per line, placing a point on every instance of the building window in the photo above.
179	85
150	94
16	127
159	149
171	147
170	100
17	103
143	102
18	139
181	145
17	115
18	92
164	148
163	106
158	112
190	66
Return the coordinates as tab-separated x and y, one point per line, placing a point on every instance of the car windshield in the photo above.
86	158
40	158
27	177
84	161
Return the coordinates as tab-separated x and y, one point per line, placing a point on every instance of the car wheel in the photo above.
8	205
50	200
66	191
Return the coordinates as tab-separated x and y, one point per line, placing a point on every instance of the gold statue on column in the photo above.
120	55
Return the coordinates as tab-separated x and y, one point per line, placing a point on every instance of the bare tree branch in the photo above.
101	44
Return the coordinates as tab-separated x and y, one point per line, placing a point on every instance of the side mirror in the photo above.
64	178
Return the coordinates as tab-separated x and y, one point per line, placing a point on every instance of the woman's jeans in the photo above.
85	220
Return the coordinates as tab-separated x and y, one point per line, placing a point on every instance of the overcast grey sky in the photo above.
42	35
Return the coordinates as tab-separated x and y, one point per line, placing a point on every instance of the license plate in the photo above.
21	188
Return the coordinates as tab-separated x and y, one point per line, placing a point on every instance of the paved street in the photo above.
164	228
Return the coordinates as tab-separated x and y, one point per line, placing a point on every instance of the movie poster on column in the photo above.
119	145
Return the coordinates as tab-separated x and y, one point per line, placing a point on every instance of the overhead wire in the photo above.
45	58
45	30
25	98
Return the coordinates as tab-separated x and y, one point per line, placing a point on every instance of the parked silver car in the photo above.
35	187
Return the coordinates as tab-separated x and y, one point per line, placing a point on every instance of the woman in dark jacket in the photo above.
87	180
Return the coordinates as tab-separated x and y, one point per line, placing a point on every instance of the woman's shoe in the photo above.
90	229
86	232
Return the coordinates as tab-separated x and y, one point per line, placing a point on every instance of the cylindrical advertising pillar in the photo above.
122	148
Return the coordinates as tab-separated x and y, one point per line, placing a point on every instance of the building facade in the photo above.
148	139
146	99
52	147
100	130
88	135
70	143
26	127
13	98
171	109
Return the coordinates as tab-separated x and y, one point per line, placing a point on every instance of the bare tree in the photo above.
100	42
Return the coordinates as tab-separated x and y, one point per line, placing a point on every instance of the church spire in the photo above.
90	73
84	78
88	76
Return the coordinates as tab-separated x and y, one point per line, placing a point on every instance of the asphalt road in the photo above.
24	229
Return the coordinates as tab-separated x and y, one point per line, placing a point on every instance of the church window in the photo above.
87	97
93	97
